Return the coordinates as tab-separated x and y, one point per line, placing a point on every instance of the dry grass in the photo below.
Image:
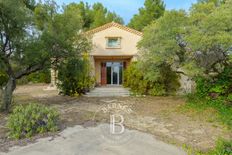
163	117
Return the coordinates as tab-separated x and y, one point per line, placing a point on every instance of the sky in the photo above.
127	8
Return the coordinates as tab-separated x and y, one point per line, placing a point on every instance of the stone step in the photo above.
107	95
113	89
108	91
100	93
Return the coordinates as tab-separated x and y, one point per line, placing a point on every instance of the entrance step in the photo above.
108	92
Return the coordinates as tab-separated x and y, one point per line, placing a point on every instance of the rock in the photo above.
180	138
198	131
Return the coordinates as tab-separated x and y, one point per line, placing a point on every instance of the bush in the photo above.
162	82
134	79
74	76
31	119
221	85
215	93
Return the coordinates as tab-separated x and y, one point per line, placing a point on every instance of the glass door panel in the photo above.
115	74
120	74
108	70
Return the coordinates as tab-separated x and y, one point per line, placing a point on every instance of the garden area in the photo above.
167	118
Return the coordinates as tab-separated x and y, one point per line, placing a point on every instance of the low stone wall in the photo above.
187	85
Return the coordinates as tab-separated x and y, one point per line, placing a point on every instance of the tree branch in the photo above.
10	51
5	44
29	70
181	72
1	35
6	63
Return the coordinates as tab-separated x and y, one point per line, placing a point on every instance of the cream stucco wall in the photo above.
100	53
128	42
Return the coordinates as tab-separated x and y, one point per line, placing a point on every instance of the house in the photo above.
114	47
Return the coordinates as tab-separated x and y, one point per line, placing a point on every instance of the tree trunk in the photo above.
7	94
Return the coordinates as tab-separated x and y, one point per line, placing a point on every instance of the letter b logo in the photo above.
114	124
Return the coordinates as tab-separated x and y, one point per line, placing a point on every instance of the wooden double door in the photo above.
111	73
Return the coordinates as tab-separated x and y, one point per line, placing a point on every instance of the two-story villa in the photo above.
114	47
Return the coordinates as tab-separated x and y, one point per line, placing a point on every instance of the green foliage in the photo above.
159	44
100	15
215	93
95	15
133	78
197	43
27	120
74	76
60	30
43	76
216	2
142	82
33	32
223	111
202	87
229	97
153	9
223	147
40	77
221	84
3	78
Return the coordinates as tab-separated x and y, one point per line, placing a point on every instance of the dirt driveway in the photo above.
159	116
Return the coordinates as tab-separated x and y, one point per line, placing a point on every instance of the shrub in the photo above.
202	86
220	85
229	98
162	82
134	79
74	76
214	93
31	119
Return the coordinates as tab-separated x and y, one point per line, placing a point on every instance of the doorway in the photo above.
114	73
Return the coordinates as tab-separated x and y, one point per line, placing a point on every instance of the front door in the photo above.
114	73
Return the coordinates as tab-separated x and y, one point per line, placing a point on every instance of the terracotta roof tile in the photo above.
113	24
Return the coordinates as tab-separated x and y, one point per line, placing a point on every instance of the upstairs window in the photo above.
113	42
